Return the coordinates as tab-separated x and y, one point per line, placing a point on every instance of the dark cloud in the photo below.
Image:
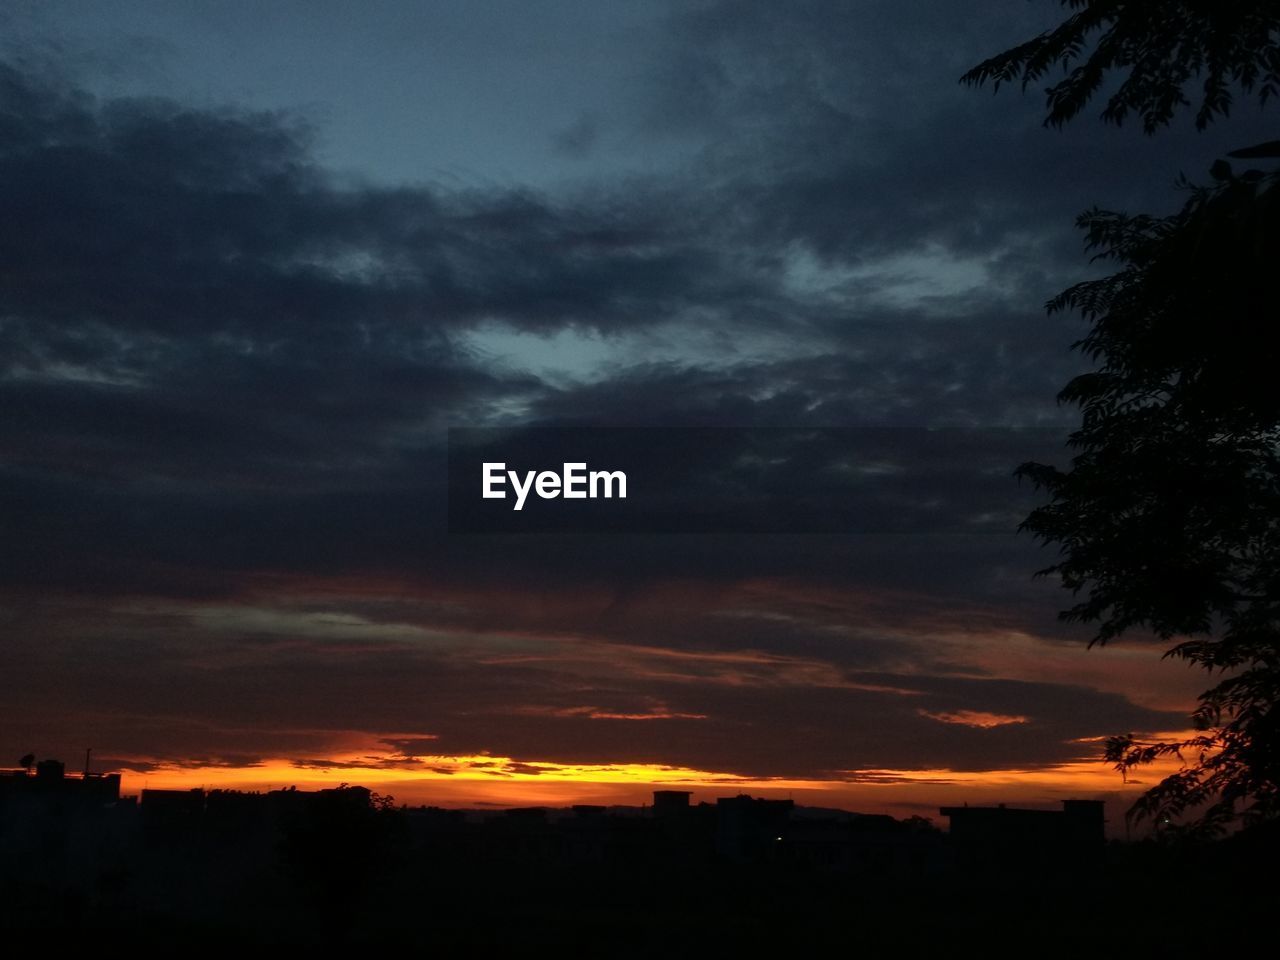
228	372
579	138
239	684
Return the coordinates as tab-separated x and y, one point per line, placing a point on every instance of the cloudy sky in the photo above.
258	259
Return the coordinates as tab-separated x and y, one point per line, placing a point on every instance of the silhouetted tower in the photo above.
670	803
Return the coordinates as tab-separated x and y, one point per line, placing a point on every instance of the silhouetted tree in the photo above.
339	844
27	762
1160	47
1168	518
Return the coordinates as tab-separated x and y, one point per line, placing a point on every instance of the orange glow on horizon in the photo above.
495	782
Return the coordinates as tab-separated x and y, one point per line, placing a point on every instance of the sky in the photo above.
259	259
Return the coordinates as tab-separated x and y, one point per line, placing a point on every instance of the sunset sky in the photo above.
256	263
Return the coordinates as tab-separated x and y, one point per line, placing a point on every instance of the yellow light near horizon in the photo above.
485	780
481	768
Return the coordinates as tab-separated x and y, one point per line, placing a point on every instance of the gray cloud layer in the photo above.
223	364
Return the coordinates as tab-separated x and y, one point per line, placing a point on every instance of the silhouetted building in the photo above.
172	813
874	846
748	829
1001	837
670	802
51	784
58	832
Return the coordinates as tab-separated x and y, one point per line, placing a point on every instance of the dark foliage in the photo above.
1168	517
1164	46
